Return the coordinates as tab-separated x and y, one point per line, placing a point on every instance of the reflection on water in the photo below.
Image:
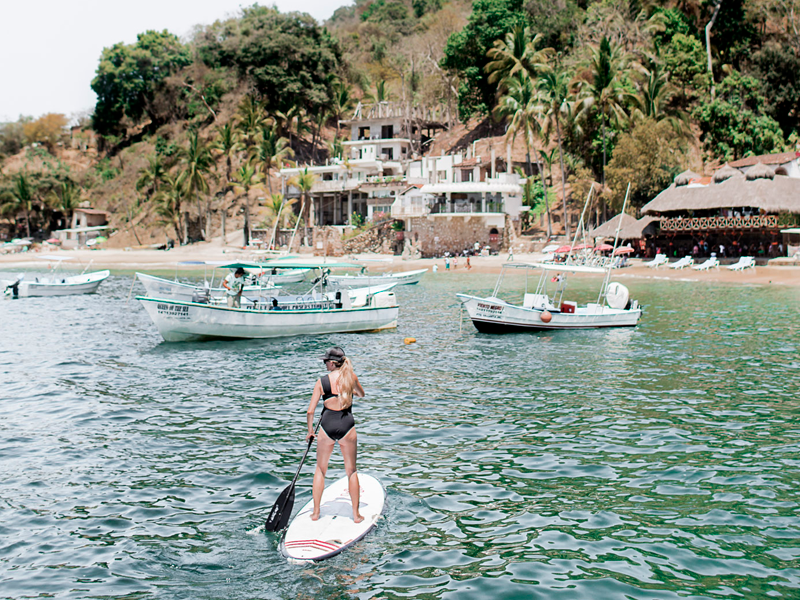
656	462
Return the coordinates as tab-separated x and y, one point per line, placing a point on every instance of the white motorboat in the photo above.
158	287
279	276
53	284
548	310
365	279
369	309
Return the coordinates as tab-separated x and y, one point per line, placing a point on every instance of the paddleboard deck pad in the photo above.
335	530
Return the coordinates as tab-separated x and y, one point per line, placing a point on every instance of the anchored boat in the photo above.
547	309
53	284
319	311
364	278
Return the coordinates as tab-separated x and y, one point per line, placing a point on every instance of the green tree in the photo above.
648	157
270	151
168	200
278	208
601	89
778	71
685	61
342	102
465	53
519	106
654	96
553	93
304	181
20	197
734	123
287	58
227	144
246	178
129	76
515	53
65	197
152	175
198	163
251	119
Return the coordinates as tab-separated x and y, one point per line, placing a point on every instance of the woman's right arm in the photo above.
312	408
357	389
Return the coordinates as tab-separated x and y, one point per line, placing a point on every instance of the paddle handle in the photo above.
302	462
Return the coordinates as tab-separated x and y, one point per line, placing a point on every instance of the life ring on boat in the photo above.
546	316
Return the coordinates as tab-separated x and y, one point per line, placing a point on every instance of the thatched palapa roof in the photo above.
631	228
685	177
761	189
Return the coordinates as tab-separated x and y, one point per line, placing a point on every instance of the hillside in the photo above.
188	130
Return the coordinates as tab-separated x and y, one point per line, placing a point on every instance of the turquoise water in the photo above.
656	462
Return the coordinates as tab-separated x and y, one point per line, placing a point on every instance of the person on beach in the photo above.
469	266
336	424
446	263
455	261
234	285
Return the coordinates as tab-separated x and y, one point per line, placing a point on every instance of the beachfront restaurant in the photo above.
729	214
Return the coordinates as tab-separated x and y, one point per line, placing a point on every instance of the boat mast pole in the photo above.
580	223
616	239
291	241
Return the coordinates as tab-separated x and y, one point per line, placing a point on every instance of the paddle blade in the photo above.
281	511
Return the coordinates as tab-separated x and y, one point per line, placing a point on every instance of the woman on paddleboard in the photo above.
336	424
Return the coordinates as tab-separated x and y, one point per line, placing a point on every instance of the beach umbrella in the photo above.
550	248
582	246
623	250
563	250
101	238
54	241
603	248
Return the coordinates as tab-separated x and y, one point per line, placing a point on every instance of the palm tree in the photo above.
549	158
341	103
271	151
251	119
304	181
519	106
199	162
602	89
227	144
246	178
277	206
318	122
151	175
65	197
514	54
553	92
168	201
21	196
655	93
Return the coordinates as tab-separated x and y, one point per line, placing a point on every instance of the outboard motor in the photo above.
202	296
617	296
338	297
14	287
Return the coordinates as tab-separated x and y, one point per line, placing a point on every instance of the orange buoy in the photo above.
546	316
409	340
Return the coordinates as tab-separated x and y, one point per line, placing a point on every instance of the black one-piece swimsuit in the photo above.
335	423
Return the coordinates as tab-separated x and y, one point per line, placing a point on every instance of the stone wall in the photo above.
327	241
434	236
378	238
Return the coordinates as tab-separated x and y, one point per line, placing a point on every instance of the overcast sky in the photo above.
49	49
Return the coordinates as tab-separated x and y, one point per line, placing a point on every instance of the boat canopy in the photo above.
555	267
308	265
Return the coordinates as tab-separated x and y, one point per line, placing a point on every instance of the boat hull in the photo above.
490	315
355	281
66	286
179	321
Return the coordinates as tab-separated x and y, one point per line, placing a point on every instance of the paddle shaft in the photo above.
278	517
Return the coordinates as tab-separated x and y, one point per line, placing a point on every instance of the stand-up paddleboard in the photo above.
334	531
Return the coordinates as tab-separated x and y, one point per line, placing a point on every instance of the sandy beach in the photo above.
159	260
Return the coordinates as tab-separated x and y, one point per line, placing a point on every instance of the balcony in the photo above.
714	223
465	207
402	209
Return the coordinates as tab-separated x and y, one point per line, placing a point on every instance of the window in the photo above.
387	132
363	133
466	174
387	153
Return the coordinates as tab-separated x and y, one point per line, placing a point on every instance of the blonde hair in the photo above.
347	381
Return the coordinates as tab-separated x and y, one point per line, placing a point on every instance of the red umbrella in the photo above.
54	241
603	248
623	250
563	250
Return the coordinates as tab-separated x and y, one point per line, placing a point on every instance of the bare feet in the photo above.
357	518
315	516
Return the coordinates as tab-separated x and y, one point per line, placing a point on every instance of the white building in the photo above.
782	163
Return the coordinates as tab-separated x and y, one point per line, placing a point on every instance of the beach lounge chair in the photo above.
711	263
686	261
660	259
745	262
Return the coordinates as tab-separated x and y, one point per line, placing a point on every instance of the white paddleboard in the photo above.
335	530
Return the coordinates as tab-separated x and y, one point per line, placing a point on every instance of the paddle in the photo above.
282	509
